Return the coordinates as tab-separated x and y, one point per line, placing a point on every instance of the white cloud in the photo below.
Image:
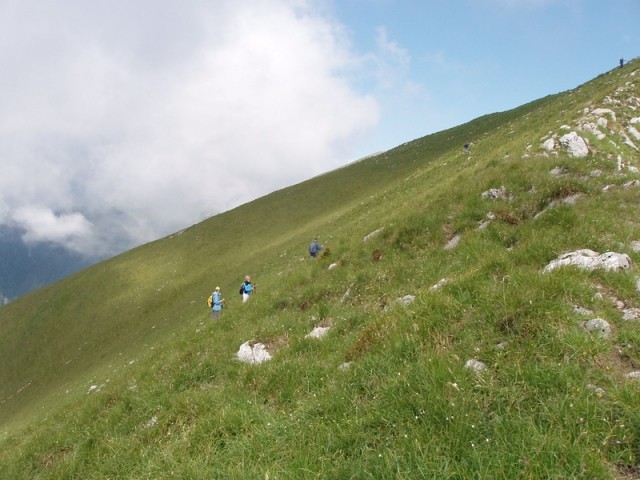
136	119
42	225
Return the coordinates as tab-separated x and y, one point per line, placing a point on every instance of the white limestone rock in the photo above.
253	353
598	327
590	260
575	144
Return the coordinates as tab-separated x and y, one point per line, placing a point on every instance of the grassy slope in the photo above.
136	325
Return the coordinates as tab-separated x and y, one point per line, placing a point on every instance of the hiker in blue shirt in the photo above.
217	303
246	289
314	248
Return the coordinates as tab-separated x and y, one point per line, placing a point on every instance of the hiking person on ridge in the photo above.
246	289
217	303
314	248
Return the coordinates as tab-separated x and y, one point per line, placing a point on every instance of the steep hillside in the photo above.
449	351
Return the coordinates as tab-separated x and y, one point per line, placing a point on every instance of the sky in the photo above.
123	121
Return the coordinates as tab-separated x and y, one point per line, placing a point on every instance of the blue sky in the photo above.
453	61
127	120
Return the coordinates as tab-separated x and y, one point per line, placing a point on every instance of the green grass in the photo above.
173	402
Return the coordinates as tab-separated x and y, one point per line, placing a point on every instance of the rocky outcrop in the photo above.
590	260
575	144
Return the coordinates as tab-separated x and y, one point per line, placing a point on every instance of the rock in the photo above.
582	311
632	183
475	365
253	353
346	295
599	327
631	314
453	243
604	111
549	144
590	260
439	285
318	332
634	375
345	366
592	129
634	133
406	300
597	390
495	193
372	234
558	171
332	266
575	144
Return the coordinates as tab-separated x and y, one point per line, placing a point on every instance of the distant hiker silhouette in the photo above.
247	289
217	302
621	62
314	248
466	146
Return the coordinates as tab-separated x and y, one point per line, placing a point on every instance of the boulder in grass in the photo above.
253	353
590	260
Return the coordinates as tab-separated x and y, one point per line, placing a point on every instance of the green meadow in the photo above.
119	371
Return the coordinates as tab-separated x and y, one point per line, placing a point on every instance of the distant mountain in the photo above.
25	268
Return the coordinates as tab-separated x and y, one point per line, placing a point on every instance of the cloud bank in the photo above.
124	121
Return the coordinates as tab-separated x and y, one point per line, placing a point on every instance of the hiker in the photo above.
466	146
247	288
217	303
621	62
314	248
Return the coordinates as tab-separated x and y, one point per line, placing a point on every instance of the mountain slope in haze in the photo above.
23	268
119	372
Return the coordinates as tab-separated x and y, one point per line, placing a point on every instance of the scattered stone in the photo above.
631	313
634	133
632	183
549	144
345	366
558	171
406	300
582	311
590	260
346	295
605	111
93	388
453	243
596	173
495	193
475	365
253	353
152	423
575	144
635	375
318	332
332	266
592	129
638	285
599	327
372	234
439	285
599	392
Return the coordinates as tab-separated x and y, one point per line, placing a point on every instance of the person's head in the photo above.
247	278
217	289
